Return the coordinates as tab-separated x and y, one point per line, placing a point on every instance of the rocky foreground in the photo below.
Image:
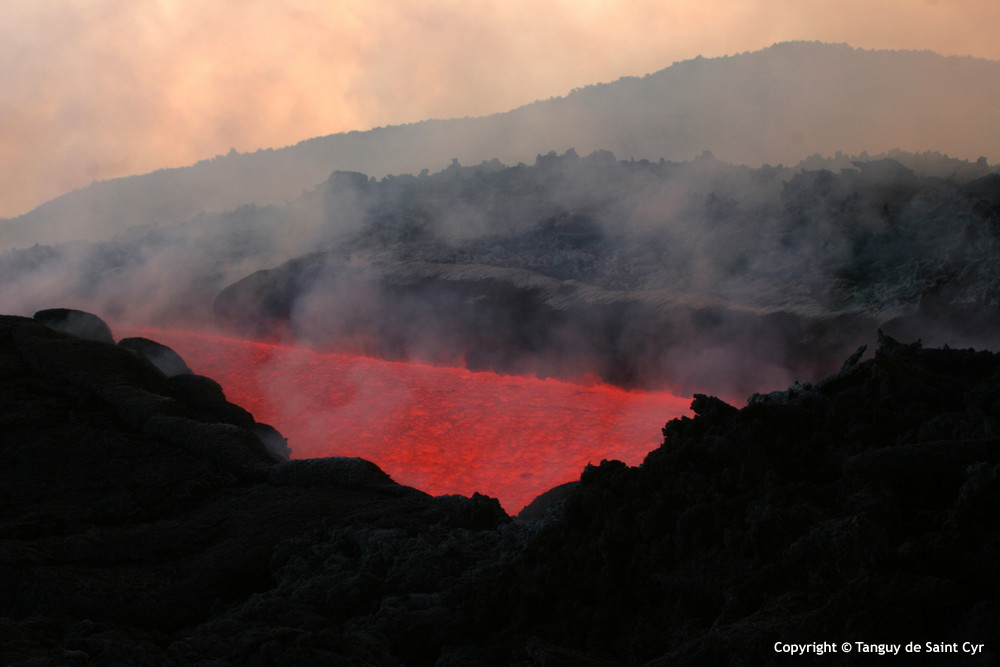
147	521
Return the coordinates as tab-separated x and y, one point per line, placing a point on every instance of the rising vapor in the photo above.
760	262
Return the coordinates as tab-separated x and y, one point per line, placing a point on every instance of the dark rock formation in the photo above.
76	322
158	354
137	529
853	509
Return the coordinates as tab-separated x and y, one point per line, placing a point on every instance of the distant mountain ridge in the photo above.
778	105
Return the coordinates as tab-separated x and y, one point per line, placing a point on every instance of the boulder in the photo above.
76	323
169	362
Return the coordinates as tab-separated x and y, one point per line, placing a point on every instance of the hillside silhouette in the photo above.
775	106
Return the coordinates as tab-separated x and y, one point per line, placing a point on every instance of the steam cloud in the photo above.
697	273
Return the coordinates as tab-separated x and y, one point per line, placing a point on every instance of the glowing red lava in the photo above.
439	429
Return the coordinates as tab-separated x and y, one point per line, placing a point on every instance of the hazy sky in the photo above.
92	89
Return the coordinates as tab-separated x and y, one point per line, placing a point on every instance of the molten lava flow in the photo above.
439	429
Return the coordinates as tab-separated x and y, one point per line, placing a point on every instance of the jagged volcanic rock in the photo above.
131	512
135	530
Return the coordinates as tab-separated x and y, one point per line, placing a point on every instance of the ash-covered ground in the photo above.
147	521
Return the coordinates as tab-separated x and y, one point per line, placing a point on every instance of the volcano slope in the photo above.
701	276
145	522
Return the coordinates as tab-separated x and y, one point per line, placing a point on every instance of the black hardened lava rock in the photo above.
76	322
860	508
139	526
131	514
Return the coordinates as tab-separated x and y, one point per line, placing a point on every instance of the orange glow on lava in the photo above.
439	429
